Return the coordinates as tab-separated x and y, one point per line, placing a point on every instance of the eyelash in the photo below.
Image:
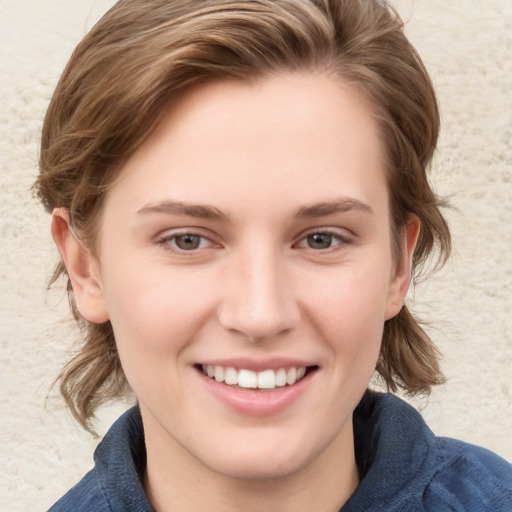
333	234
169	241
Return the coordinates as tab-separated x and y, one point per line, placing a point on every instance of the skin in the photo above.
262	158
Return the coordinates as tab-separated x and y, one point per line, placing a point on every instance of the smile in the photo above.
266	379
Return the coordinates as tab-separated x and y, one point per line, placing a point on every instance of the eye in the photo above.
323	240
188	242
185	242
319	240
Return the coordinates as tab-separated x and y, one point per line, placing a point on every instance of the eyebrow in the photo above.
340	205
204	211
201	211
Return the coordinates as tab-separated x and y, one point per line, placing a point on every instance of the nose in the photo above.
258	299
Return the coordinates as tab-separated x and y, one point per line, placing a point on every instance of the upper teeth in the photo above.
267	379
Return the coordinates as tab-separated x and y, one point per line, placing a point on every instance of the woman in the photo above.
239	195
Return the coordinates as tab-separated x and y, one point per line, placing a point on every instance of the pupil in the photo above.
188	242
319	241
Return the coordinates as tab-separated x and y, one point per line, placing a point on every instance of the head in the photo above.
142	57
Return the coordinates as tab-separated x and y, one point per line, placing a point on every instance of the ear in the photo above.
401	279
80	266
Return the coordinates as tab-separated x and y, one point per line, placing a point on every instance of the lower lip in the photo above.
257	402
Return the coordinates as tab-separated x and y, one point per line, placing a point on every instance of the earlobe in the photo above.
79	264
400	281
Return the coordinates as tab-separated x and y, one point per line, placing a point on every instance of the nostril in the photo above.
260	312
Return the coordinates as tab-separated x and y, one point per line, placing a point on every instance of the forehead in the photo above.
305	134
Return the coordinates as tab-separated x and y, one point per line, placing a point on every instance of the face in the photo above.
244	261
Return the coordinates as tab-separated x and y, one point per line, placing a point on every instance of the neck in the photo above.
175	480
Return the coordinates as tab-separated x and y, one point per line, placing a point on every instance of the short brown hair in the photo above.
141	54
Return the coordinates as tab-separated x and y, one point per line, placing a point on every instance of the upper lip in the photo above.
274	363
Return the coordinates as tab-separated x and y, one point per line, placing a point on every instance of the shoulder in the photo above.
115	483
468	477
405	467
85	496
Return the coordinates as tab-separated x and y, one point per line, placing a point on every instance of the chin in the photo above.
261	469
262	461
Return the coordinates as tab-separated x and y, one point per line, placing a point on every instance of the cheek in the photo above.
154	315
153	325
350	311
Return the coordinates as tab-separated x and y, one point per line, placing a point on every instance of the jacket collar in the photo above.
393	445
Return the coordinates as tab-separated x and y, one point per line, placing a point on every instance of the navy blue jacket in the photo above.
403	466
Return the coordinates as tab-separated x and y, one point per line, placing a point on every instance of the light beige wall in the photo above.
467	45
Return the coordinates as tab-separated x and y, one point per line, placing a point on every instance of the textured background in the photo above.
466	44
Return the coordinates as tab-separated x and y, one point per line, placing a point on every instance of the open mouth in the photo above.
249	379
